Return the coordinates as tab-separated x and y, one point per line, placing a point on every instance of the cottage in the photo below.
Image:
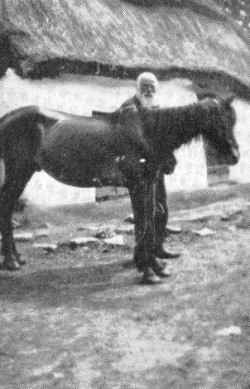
80	56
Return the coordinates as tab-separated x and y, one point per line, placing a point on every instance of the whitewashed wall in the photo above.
241	171
80	95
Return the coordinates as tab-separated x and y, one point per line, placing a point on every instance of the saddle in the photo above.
102	114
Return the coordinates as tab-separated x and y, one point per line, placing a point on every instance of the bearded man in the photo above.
146	97
146	93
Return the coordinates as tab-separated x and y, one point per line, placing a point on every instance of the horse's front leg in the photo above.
144	207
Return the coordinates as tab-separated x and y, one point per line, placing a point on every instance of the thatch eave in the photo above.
212	79
119	39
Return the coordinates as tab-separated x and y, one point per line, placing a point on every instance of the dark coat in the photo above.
133	103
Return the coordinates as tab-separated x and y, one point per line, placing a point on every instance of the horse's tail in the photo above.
27	123
2	172
44	119
40	124
2	163
26	119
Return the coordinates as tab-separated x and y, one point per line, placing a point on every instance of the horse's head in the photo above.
221	134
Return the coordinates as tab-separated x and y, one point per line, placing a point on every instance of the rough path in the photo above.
78	318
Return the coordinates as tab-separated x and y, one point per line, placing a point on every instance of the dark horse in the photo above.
126	148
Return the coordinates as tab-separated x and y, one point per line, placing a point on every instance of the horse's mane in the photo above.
177	126
206	104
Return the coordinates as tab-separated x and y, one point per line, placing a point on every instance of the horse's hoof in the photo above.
150	278
163	254
11	265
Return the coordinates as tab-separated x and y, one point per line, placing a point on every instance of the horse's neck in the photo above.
180	125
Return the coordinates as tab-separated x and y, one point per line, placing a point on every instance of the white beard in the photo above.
147	102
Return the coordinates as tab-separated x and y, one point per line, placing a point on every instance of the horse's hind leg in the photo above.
10	192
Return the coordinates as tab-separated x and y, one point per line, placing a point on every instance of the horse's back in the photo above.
76	148
60	115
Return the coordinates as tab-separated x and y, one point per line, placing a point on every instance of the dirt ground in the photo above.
79	319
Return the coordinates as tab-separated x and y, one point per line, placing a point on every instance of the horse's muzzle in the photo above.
235	156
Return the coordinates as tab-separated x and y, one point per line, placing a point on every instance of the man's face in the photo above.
147	90
147	94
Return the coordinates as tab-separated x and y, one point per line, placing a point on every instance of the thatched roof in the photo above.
119	38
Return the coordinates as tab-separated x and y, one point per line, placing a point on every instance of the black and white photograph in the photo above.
124	194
